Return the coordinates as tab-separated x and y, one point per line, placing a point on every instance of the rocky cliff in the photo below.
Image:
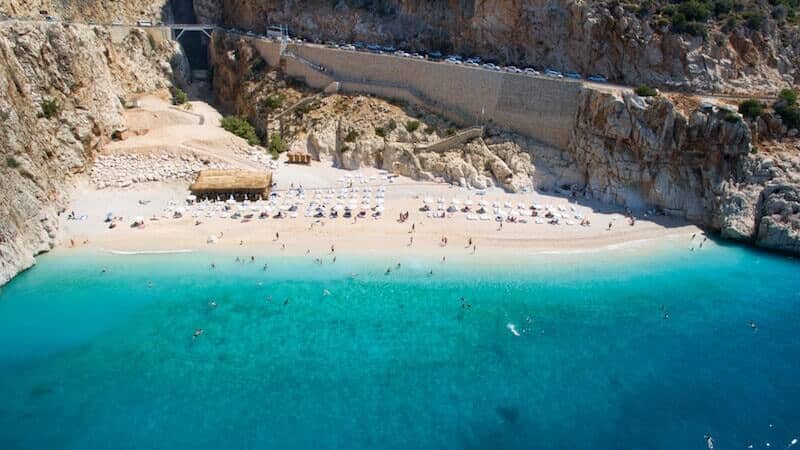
101	11
60	99
700	164
629	43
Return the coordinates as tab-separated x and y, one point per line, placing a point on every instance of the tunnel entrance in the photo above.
194	42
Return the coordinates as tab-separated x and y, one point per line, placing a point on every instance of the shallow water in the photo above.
93	360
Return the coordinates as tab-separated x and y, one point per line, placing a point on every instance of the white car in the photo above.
453	61
531	71
348	47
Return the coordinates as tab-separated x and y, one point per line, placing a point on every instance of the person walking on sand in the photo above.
277	236
609	225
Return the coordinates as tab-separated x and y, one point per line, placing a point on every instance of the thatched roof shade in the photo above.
233	181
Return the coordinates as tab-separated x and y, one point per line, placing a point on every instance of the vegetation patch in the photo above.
179	97
412	126
732	117
751	108
274	101
12	162
644	90
787	108
380	131
276	145
351	137
241	127
50	108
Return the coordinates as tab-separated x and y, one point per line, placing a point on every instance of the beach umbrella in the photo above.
483	203
502	213
230	201
455	201
468	202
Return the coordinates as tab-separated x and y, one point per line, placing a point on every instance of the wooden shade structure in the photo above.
235	182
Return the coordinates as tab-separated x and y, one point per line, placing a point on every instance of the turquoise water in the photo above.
92	360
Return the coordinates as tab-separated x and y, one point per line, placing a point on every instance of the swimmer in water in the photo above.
430	274
326	292
104	270
398	265
334	259
212	304
266	266
213	266
753	326
513	329
286	302
269	299
709	441
388	271
197	333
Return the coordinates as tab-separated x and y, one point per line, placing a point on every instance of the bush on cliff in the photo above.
50	108
645	91
274	101
751	108
179	97
351	137
412	125
276	145
380	132
12	162
240	127
787	108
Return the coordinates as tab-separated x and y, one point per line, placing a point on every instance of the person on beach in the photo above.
332	249
334	259
470	242
410	241
277	236
265	268
609	225
474	248
213	266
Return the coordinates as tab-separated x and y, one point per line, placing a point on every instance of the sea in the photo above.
659	348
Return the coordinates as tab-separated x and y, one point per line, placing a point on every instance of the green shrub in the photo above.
50	108
391	126
645	91
789	96
751	108
450	131
787	108
790	115
179	97
379	131
274	101
351	136
732	117
276	145
680	24
430	130
753	20
412	125
12	162
694	11
241	127
722	7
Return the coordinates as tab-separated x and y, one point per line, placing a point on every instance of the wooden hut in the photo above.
232	182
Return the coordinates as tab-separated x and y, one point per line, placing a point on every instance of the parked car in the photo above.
471	63
473	60
573	75
598	79
436	55
359	45
530	71
453	61
455	57
512	69
374	48
331	44
417	56
553	73
348	47
388	49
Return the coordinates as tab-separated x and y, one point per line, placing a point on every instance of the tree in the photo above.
751	108
241	127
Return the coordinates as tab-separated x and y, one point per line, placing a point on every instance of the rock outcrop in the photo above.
101	11
640	152
625	42
60	99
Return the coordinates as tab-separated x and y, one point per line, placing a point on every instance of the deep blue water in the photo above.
92	360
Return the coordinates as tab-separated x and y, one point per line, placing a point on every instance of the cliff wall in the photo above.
627	42
60	91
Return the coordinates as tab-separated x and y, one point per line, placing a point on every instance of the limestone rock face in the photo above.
79	72
645	152
101	11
